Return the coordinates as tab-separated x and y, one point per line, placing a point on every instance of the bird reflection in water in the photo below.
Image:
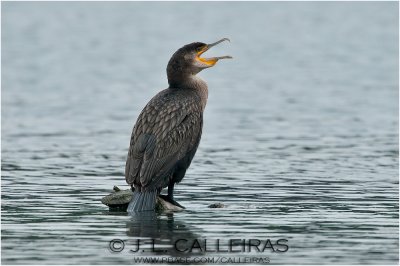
158	233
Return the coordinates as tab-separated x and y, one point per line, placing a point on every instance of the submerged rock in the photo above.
216	205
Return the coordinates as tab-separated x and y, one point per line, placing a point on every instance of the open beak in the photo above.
212	60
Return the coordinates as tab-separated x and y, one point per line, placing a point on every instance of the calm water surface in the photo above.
300	139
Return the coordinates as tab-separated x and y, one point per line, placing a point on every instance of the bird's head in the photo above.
187	60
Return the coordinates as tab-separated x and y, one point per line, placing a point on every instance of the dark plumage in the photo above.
168	130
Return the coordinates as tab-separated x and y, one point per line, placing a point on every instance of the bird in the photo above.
167	132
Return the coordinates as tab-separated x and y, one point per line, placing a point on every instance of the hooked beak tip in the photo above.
217	42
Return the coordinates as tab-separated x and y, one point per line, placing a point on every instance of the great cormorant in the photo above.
168	130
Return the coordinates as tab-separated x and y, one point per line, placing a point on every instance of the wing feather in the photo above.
166	130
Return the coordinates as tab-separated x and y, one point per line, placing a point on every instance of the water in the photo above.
300	139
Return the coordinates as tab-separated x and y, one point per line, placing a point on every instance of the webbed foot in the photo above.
172	201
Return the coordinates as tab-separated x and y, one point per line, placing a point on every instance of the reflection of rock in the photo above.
119	200
163	230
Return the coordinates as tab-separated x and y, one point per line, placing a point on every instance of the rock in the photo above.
118	201
216	205
163	205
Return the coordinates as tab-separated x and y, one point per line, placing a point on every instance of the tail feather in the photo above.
150	201
142	201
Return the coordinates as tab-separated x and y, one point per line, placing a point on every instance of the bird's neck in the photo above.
195	83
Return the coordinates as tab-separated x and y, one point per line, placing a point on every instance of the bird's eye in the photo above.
199	48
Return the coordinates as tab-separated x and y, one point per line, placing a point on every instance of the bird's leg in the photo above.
171	195
171	191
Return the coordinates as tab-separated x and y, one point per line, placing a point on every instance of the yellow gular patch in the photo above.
209	62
